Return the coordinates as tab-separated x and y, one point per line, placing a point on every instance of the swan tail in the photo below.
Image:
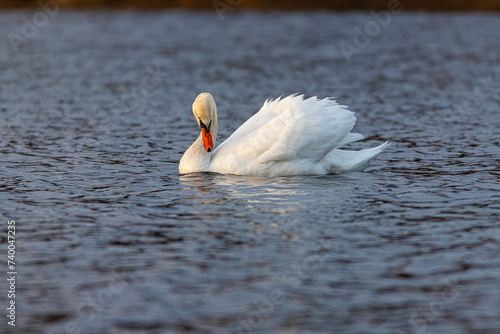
338	161
350	138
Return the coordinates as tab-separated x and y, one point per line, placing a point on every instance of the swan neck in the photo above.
214	126
195	159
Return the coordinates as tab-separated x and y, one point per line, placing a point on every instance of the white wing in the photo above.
287	136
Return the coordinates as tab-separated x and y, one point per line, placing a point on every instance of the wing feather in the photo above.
286	130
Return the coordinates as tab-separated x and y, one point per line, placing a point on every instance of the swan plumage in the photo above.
288	136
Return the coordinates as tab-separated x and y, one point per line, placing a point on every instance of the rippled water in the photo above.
95	115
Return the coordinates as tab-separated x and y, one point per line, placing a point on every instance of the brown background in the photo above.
483	5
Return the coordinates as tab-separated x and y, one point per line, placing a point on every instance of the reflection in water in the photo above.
286	196
281	194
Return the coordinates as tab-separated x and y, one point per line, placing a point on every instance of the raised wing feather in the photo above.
289	133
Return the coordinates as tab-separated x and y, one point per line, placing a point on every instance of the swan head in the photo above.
205	111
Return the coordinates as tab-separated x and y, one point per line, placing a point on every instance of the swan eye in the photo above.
203	126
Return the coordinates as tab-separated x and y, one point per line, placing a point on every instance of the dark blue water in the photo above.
95	115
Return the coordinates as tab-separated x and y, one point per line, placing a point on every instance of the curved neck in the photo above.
196	159
214	128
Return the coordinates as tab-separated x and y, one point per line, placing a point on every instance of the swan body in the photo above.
288	136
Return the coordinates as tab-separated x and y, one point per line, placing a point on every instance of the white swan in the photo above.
288	136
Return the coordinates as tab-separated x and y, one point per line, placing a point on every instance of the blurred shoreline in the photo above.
436	5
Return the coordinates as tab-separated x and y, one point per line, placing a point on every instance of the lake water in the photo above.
95	113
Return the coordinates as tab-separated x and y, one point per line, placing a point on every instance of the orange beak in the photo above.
207	140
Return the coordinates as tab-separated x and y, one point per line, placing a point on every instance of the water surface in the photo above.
95	115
